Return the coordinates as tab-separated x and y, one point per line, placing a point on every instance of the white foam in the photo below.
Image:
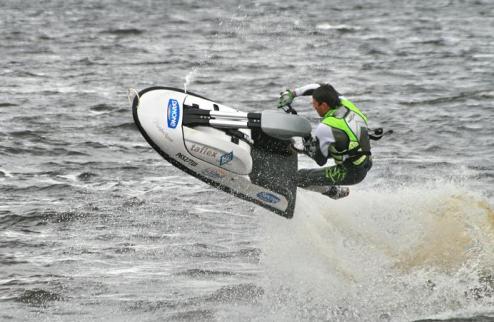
399	252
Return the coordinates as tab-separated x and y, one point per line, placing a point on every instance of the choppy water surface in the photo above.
94	225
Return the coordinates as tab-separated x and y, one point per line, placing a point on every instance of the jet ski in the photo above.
247	154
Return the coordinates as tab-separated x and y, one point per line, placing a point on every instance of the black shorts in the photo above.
341	174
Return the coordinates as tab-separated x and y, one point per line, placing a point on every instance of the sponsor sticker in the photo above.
268	197
173	113
186	159
214	173
204	150
225	158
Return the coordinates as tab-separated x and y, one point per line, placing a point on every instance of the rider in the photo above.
342	136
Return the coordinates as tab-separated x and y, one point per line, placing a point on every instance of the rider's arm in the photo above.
324	137
317	146
317	155
286	97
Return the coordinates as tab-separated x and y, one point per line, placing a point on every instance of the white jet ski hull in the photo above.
259	169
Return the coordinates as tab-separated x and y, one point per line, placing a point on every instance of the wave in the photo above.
245	292
52	187
86	176
36	217
33	136
460	97
91	62
122	126
4	174
123	31
40	151
8	104
194	315
204	273
340	28
151	306
102	108
199	250
38	297
10	260
9	219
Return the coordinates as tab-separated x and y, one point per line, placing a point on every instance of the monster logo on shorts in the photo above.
268	197
173	113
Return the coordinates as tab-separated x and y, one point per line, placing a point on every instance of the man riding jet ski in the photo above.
251	155
342	135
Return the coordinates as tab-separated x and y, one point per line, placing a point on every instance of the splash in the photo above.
189	78
374	253
456	230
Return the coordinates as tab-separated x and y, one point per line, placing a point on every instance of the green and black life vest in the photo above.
349	126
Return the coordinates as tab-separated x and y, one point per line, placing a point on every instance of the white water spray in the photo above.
189	78
370	256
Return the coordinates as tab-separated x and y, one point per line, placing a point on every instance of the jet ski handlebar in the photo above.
289	109
273	123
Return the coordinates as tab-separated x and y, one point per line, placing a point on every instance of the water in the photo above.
94	225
